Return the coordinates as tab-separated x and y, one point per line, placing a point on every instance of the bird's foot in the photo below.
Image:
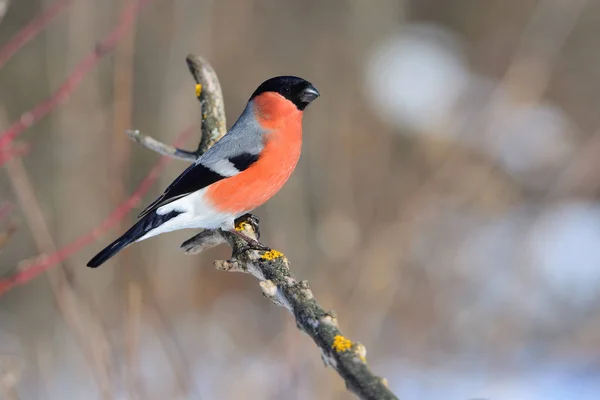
253	244
248	221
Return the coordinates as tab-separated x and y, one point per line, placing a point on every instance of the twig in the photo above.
28	118
3	8
208	92
160	148
271	268
30	30
43	263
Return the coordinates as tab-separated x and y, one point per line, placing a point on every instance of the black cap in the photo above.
297	90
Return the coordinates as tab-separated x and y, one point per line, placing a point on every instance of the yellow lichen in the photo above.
198	90
272	255
340	344
361	351
242	226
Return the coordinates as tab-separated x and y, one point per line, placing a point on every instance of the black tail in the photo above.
142	227
111	250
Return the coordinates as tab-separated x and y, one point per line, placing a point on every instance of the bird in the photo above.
239	173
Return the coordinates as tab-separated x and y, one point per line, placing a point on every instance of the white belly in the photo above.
196	213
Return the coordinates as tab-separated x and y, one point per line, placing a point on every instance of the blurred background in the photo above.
445	205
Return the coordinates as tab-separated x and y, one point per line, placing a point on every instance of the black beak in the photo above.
309	94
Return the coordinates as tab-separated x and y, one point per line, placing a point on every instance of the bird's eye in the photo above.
286	91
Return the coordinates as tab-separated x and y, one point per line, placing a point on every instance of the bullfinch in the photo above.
243	170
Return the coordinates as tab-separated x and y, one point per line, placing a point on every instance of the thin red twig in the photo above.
72	82
43	263
31	30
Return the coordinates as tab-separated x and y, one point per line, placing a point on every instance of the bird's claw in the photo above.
252	244
251	220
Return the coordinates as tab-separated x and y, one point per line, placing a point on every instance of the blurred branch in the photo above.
120	167
3	8
271	268
10	376
31	269
107	44
16	150
85	326
30	30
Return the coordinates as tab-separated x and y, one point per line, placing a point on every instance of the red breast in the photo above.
262	180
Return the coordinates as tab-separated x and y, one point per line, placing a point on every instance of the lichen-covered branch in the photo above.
272	268
208	92
279	285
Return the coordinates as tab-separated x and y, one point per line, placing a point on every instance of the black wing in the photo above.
243	161
196	177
